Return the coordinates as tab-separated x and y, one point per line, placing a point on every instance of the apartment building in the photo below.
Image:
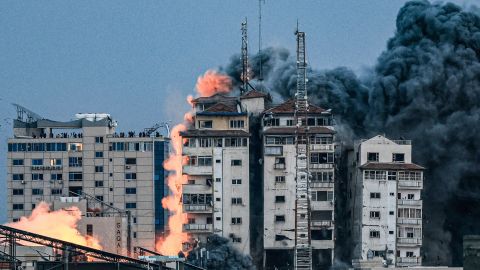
279	169
384	197
49	160
216	197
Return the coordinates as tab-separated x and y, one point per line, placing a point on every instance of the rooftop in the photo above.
254	94
214	133
292	130
391	166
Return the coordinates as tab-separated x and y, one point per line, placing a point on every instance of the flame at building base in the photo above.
207	85
60	224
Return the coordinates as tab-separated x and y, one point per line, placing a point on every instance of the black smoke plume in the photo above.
425	87
221	256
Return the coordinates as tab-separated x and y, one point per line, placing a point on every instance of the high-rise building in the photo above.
50	160
216	197
279	172
384	198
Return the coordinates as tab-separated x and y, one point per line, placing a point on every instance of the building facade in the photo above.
384	197
216	197
48	160
279	171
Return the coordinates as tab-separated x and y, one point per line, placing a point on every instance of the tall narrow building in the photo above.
56	161
216	197
384	195
279	171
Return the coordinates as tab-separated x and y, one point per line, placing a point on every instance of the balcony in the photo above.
411	184
279	166
198	228
322	223
46	167
409	241
197	208
409	261
321	147
315	184
410	202
197	170
410	221
321	166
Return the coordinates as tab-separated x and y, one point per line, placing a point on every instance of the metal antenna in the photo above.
260	73
303	248
245	69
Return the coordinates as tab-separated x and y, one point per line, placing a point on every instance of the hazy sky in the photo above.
137	60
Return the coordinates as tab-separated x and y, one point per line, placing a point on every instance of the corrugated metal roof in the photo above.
391	166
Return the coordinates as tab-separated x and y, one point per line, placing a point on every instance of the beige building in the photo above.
50	160
384	198
279	171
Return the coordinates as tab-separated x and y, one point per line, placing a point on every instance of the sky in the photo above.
138	60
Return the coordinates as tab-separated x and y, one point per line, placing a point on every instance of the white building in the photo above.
216	197
384	194
279	170
48	160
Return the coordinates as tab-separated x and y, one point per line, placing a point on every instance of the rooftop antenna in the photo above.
260	73
25	115
245	69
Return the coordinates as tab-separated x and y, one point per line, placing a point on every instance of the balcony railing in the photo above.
197	227
322	223
410	184
192	208
197	170
321	147
46	167
316	184
409	241
279	166
410	202
321	166
405	261
410	221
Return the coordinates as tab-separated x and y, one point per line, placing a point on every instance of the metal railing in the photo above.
409	260
410	183
322	223
279	166
197	227
411	241
410	202
321	166
321	147
410	221
46	167
197	207
317	184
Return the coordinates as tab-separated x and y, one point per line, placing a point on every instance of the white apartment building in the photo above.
384	195
216	197
279	169
50	160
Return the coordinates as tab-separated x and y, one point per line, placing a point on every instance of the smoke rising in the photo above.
425	87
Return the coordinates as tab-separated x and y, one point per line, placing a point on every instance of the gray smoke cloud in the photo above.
221	256
425	87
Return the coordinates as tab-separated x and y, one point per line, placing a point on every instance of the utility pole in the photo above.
303	248
245	69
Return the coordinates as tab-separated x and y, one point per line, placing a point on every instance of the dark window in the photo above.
98	183
130	205
17	162
374	195
391	213
236	220
374	234
279	179
390	232
372	157
375	214
17	176
130	161
37	176
37	162
37	191
56	176
56	191
279	199
236	162
75	162
17	206
90	226
322	215
398	157
99	154
323	234
322	158
236	181
280	218
205	124
98	169
130	176
75	176
98	139
17	191
130	191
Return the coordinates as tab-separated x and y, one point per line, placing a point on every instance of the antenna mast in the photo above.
260	73
245	68
303	248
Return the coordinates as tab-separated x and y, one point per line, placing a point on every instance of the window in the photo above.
374	234
218	180
279	163
17	176
75	147
374	195
390	232
236	181
409	254
33	206
237	123
98	169
236	239
289	122
99	154
205	161
323	234
322	196
130	176
409	213
75	176
236	162
130	191
372	157
17	162
236	220
192	160
56	191
375	175
236	142
37	176
56	176
321	140
279	179
17	206
205	142
17	191
75	162
398	157
311	122
98	183
89	229
205	124
37	162
98	139
37	191
237	201
271	122
280	218
392	175
191	182
190	142
322	176
16	219
321	158
375	214
391	213
100	198
322	215
131	205
279	199
273	150
411	196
